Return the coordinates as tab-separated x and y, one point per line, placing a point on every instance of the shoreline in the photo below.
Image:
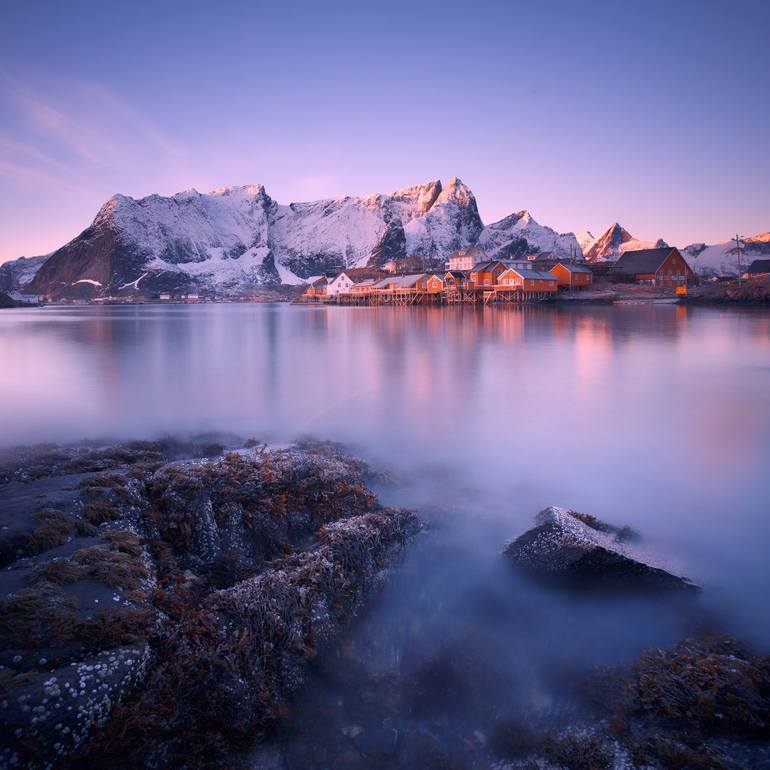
729	293
176	599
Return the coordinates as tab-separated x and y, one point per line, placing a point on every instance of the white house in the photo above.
341	283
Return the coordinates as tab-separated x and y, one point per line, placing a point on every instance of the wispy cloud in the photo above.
84	133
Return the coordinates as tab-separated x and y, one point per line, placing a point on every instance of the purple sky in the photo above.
653	114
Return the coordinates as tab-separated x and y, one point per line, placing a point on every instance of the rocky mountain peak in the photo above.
457	192
420	196
608	244
234	239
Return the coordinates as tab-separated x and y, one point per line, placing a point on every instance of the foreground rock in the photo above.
158	603
577	550
703	704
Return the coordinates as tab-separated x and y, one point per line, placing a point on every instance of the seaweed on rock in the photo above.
225	671
211	582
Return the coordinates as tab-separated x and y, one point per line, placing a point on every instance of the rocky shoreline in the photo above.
208	578
164	602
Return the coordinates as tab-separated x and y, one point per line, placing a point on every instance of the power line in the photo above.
737	240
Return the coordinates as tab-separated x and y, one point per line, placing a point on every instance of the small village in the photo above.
468	277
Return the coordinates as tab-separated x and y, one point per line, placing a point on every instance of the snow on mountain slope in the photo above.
586	239
233	240
222	235
519	234
721	259
16	274
614	241
452	222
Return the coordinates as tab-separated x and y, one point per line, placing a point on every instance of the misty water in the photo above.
654	416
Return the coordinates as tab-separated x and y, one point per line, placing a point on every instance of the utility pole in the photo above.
737	240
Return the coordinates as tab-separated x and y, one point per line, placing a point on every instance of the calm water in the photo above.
655	416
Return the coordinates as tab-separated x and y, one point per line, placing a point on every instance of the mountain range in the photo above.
234	240
722	259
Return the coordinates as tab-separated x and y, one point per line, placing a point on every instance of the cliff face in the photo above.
17	274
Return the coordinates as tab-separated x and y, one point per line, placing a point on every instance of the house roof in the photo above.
359	273
486	265
455	273
475	252
641	261
401	281
760	266
314	279
531	274
573	268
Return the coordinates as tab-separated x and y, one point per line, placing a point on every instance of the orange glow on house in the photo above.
571	276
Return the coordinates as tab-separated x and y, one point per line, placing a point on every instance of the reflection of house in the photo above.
664	267
528	280
572	276
758	268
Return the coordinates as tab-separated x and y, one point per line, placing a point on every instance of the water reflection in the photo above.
658	416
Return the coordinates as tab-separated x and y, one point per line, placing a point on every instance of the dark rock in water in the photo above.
580	550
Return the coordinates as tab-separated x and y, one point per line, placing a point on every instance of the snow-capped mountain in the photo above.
613	242
519	234
235	239
585	238
452	222
15	275
721	259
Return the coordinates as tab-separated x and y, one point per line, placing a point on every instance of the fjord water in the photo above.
655	416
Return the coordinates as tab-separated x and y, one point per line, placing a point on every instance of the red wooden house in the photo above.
572	276
487	273
664	267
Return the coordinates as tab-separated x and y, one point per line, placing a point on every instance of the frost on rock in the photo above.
579	549
209	577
